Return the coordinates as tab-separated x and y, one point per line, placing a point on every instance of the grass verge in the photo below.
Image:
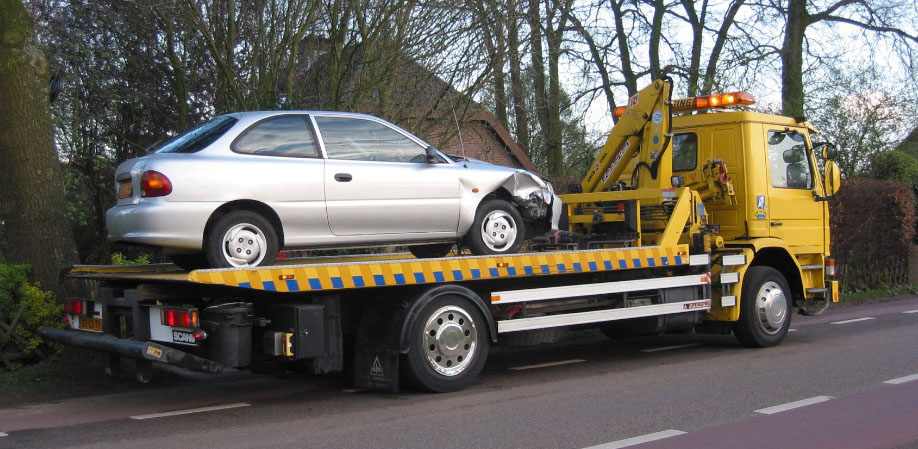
73	372
877	294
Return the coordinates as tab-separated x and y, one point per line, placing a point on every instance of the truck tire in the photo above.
448	346
765	308
431	251
241	239
498	229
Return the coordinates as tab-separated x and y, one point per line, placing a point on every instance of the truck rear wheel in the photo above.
449	345
765	308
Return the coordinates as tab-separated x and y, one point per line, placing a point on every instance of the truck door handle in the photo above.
776	223
343	177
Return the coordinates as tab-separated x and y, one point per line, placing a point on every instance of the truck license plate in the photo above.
91	324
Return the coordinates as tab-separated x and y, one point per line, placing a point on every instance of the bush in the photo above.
39	308
894	166
873	225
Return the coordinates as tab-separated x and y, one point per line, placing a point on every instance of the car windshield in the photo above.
198	138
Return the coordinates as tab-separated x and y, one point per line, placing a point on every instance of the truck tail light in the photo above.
186	318
73	306
830	267
154	183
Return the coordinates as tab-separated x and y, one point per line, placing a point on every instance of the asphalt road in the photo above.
845	379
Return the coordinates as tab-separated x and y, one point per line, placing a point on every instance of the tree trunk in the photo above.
792	53
37	231
538	65
553	137
520	111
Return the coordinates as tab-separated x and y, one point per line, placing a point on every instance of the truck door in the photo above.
793	213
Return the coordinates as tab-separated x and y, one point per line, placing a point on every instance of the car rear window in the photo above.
198	138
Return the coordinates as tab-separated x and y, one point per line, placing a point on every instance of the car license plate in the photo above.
125	189
91	324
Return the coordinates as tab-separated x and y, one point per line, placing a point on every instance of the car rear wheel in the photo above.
498	229
241	239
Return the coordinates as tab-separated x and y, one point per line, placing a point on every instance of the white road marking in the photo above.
901	380
354	390
792	330
854	320
667	348
911	311
793	405
3	434
191	410
544	365
638	440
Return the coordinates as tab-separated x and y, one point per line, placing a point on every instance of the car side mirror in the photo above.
829	150
432	156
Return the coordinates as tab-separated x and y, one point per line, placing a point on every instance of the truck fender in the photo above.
414	307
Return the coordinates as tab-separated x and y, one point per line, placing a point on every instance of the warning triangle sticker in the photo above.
376	369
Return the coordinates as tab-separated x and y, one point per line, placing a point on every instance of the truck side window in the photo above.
788	161
685	151
366	140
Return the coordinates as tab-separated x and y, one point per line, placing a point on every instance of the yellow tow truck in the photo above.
705	222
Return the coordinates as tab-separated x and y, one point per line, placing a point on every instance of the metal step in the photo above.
812	267
816	290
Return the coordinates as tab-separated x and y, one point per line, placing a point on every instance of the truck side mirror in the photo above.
832	178
829	150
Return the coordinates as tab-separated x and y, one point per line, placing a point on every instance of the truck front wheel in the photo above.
765	308
449	344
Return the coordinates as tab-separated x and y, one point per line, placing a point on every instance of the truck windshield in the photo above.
198	138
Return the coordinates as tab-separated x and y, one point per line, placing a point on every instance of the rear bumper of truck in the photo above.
140	350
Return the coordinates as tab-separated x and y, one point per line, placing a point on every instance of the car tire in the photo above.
498	229
430	251
765	308
449	345
247	235
189	262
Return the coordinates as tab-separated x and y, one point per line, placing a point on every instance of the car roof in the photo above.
262	114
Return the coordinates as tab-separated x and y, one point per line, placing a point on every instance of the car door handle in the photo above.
343	177
776	223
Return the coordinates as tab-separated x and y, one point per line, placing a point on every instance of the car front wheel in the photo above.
241	239
498	229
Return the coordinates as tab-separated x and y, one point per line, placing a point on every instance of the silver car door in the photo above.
378	181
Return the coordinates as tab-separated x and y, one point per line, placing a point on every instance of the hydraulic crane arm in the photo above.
643	127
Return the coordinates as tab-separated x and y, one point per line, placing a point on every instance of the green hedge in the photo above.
873	225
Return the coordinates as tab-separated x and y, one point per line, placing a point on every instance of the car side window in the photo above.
685	151
365	140
286	135
788	161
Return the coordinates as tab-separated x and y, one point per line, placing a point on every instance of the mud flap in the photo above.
376	364
376	369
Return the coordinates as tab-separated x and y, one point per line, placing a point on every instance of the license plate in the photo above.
125	189
91	324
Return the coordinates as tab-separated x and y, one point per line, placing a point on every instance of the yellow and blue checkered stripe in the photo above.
298	278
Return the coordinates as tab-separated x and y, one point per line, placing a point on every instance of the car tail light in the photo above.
154	183
186	318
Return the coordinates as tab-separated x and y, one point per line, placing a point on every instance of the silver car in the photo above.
237	189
